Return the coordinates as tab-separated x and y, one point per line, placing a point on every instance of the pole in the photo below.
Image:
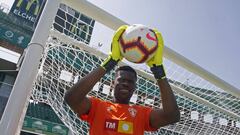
16	107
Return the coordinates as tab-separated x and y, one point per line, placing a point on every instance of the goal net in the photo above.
205	108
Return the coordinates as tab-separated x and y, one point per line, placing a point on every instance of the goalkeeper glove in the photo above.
156	62
115	54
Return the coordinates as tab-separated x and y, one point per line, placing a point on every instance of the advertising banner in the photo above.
28	10
44	127
14	37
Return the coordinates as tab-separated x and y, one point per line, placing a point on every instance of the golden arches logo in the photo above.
29	5
82	28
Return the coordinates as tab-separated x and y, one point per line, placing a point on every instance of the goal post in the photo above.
14	113
187	64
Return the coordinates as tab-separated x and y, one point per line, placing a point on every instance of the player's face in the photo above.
124	84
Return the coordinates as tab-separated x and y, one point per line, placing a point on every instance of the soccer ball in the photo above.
138	43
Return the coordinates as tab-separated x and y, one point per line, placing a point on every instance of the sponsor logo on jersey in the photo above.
111	124
125	127
119	126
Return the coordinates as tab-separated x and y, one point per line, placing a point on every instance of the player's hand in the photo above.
156	62
115	50
115	54
157	59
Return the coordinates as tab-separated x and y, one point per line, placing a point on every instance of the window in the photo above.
6	85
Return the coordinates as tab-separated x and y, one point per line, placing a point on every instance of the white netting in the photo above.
205	108
63	63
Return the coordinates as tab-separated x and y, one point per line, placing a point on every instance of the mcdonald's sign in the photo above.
28	10
74	24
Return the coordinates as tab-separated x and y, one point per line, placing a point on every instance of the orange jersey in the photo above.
107	118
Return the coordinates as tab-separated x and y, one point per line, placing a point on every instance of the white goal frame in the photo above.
13	116
15	110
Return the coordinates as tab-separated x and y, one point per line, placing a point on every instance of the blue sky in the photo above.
205	31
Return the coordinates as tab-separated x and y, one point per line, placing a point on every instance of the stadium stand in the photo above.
42	111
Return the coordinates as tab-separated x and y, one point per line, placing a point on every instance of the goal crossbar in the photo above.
113	22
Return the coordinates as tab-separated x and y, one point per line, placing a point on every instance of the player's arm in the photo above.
169	113
76	97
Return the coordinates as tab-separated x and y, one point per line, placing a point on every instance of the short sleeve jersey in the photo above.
107	118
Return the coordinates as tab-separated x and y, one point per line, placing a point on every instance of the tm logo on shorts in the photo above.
119	126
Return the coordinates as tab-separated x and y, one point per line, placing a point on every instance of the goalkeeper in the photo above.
118	117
